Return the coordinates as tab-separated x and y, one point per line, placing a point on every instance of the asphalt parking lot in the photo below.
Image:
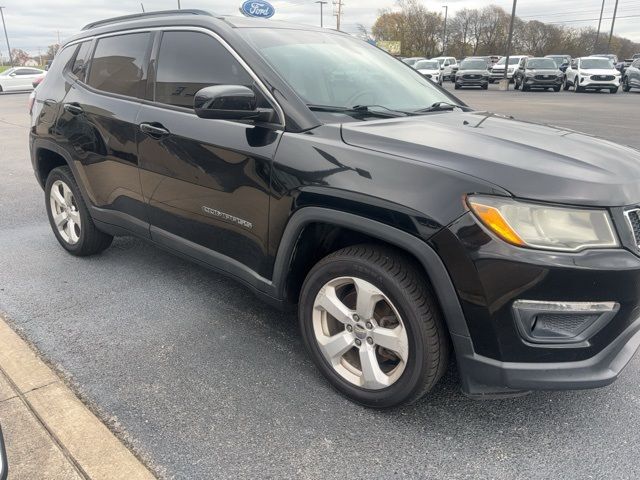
205	381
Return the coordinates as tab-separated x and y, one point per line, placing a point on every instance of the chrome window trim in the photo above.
206	31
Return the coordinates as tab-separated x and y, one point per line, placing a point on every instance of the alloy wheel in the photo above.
64	208
360	333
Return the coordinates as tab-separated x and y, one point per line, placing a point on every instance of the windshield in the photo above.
328	69
595	64
473	65
410	61
559	60
544	63
512	60
426	65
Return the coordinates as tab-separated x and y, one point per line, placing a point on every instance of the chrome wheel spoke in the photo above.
57	197
75	216
68	195
71	227
60	219
328	301
368	297
393	339
372	375
333	348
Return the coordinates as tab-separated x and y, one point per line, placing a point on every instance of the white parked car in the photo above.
19	78
497	72
448	67
430	69
593	73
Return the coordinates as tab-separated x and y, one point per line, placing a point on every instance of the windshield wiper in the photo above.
440	107
357	110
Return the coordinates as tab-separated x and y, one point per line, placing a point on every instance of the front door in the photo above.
206	181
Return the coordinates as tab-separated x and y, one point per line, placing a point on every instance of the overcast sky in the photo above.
34	24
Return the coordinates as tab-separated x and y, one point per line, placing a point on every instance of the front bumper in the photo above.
543	83
589	83
490	276
472	82
499	75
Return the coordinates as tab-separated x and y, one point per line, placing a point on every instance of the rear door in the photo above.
206	181
97	125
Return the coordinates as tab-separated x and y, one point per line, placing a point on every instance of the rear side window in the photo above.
119	64
190	61
80	62
27	71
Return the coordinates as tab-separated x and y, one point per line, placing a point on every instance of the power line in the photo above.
594	19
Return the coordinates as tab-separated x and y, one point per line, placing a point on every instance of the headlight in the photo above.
544	227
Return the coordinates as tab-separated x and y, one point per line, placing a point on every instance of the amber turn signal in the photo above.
494	221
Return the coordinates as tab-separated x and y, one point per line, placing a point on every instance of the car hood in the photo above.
430	72
543	71
528	160
600	71
473	72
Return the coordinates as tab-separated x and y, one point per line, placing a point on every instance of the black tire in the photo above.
457	86
525	88
405	286
485	86
556	89
565	84
91	240
516	85
614	90
625	85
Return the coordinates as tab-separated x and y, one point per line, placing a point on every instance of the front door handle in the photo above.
73	109
154	130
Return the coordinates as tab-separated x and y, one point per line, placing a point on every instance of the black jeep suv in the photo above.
320	171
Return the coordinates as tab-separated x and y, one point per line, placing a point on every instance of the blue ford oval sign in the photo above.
257	8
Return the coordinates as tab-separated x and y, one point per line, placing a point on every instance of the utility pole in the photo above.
338	4
595	47
613	22
322	3
505	80
179	8
444	33
6	36
142	6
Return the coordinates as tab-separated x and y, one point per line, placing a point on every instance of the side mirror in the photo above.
441	68
4	467
229	102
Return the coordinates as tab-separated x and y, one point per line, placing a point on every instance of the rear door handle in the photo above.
155	131
73	109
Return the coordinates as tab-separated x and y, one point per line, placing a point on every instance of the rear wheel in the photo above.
371	326
69	217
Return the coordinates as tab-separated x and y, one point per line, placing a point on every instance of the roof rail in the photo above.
135	16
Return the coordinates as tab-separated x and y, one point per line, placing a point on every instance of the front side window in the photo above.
119	64
190	61
329	69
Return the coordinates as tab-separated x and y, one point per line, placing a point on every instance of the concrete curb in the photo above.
85	441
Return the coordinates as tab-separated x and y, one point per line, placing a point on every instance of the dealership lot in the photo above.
205	381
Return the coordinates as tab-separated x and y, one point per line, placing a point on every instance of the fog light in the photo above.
561	322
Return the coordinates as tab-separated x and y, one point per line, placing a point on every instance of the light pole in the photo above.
505	80
322	4
613	22
444	33
595	47
6	36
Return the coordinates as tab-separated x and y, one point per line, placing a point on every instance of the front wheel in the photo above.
457	86
516	85
372	327
614	90
69	216
565	84
625	86
556	89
